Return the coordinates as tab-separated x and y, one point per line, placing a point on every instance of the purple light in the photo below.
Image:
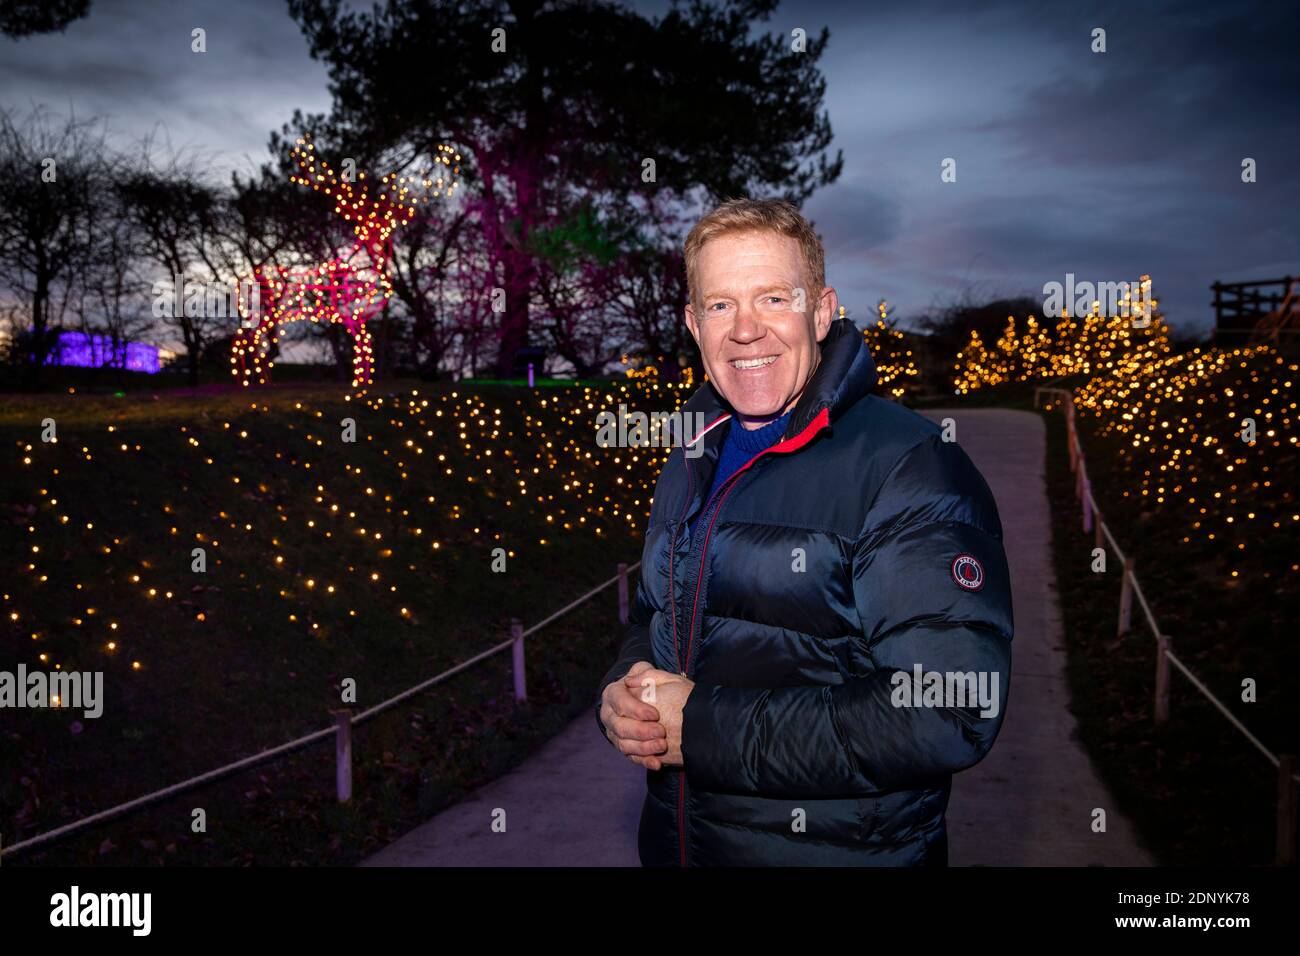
96	351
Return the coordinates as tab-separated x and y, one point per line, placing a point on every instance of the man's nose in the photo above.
748	325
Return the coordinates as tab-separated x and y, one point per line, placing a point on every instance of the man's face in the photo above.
751	284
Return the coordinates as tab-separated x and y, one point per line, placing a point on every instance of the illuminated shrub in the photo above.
1091	345
1213	436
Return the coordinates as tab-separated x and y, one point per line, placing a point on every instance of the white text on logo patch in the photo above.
968	572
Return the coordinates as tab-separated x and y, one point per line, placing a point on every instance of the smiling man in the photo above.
822	589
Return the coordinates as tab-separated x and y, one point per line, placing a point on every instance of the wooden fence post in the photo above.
1099	537
622	592
343	754
1162	678
1286	810
1087	505
517	651
1126	599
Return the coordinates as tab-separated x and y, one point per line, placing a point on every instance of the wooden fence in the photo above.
1130	589
1254	312
343	720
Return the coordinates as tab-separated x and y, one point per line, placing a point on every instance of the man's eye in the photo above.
716	305
776	298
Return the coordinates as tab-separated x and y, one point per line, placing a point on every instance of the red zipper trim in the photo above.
708	428
791	444
672	547
672	610
788	445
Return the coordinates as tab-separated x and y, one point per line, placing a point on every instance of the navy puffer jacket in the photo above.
860	545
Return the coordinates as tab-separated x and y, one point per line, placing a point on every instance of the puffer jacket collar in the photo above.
845	373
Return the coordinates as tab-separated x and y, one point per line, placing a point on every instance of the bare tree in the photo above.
646	294
426	254
108	302
53	179
176	214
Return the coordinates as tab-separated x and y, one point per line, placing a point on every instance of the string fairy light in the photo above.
1093	344
546	467
1181	426
346	290
896	369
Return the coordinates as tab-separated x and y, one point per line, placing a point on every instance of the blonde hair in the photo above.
756	215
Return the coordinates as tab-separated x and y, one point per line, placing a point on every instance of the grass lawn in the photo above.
326	560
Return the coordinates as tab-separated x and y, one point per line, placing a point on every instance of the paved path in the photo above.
1030	802
576	802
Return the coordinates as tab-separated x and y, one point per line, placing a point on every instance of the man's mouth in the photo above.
753	363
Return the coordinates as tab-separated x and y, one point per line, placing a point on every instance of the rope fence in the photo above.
1130	588
345	720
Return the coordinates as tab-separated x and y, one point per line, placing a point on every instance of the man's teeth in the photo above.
753	363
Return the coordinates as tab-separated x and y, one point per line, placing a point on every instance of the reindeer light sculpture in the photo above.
346	290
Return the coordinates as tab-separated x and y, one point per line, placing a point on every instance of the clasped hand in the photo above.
642	714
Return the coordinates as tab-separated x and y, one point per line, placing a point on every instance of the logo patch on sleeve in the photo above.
968	572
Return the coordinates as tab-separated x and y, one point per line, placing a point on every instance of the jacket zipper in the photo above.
788	445
672	608
672	551
681	775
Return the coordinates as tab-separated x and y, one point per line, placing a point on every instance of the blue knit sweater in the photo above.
742	444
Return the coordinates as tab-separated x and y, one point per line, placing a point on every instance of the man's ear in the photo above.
827	307
692	325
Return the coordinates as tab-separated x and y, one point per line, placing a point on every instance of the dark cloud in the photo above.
131	61
854	219
1105	165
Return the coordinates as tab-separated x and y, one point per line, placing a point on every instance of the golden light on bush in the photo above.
1091	345
1213	435
547	463
895	364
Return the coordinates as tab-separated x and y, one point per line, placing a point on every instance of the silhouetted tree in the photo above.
54	182
548	100
21	18
177	215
